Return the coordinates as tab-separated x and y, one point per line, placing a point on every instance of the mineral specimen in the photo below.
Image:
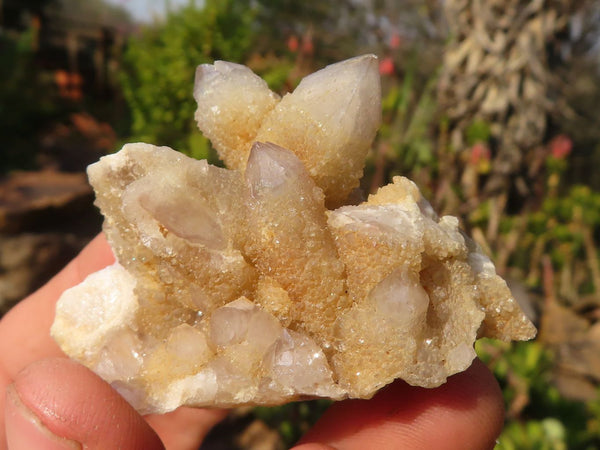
239	286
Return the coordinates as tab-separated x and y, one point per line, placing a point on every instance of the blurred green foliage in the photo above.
543	419
26	106
563	226
409	116
478	131
292	420
161	62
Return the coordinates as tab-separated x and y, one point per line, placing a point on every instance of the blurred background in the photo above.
490	107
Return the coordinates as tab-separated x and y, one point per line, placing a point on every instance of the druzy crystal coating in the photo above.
261	283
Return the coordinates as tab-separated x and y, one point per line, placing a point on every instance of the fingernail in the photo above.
25	431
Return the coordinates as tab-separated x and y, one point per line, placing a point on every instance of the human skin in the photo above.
49	402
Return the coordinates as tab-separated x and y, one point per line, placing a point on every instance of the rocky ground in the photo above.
46	217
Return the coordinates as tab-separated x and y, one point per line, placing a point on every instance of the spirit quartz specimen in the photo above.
261	283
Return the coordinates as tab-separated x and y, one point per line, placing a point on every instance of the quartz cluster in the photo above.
265	282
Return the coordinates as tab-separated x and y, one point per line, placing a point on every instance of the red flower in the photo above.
561	146
479	152
386	66
307	45
395	41
292	44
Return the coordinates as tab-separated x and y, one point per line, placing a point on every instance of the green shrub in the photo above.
160	64
539	418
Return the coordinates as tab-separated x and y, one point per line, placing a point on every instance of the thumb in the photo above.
58	404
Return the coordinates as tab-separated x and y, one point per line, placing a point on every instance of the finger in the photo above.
58	404
25	330
466	412
29	323
185	428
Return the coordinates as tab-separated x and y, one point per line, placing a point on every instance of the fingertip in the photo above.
314	446
185	427
25	431
96	255
466	412
73	403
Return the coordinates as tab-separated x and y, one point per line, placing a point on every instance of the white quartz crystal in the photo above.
232	104
329	121
255	284
98	309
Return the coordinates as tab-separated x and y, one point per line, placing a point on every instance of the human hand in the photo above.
49	402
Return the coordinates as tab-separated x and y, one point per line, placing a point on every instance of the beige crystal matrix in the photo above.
260	283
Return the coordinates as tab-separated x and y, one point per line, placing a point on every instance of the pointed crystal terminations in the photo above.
232	104
242	286
329	121
294	248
